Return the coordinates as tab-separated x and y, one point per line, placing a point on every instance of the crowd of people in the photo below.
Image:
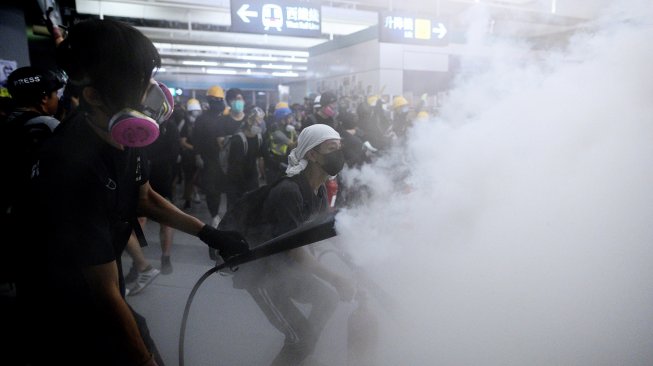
98	147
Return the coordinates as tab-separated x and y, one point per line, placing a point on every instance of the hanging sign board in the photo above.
284	18
412	29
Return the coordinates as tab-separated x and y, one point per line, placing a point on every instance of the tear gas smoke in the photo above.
519	229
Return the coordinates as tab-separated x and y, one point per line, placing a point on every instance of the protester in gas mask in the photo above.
326	110
279	282
88	185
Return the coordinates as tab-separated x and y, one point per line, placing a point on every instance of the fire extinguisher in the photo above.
332	191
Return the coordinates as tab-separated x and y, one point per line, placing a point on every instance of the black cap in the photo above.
30	82
327	98
232	94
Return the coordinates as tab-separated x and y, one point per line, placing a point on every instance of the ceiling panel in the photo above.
181	28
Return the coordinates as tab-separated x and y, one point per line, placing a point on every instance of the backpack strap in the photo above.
138	230
244	139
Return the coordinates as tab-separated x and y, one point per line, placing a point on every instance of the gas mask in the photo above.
329	111
333	162
138	128
256	129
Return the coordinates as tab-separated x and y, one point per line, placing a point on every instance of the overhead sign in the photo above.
412	29
287	18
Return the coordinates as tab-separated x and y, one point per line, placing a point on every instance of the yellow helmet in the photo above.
399	102
281	105
422	116
372	99
215	91
193	105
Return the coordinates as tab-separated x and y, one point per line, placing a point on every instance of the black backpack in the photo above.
223	156
246	215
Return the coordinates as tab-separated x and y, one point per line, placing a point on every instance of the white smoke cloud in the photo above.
523	231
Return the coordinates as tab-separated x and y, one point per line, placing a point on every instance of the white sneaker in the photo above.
216	221
144	278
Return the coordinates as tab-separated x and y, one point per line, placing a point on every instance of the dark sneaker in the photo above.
144	279
131	275
166	265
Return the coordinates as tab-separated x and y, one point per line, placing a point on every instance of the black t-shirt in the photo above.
83	197
205	136
291	203
228	125
243	169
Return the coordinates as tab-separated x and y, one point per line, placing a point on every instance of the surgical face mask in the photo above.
237	106
333	162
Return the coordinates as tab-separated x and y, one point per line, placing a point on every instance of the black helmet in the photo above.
327	98
27	84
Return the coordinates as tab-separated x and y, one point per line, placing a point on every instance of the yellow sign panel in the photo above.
422	28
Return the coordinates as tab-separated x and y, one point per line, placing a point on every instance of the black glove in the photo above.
227	243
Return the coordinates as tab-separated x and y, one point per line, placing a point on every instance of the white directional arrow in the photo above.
440	30
244	13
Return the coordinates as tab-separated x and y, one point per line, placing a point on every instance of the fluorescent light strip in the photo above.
286	74
277	67
244	65
233	50
221	72
298	60
257	58
200	63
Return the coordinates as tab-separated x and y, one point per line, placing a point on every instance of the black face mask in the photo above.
333	162
217	106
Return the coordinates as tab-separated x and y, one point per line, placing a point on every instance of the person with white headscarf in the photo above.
279	282
310	138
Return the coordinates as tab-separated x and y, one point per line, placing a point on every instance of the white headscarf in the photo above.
310	137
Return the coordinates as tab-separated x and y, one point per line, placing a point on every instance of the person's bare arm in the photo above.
154	206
